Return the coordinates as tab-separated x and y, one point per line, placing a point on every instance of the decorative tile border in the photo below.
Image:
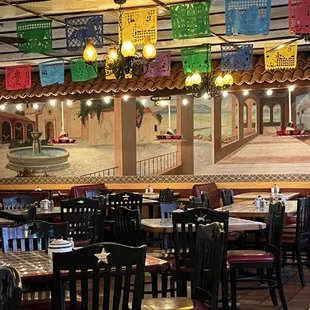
220	178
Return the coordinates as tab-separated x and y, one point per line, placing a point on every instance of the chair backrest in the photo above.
227	197
275	228
184	234
80	213
209	249
166	195
303	219
123	262
18	202
166	208
93	193
211	188
126	226
10	289
126	199
30	236
205	199
80	190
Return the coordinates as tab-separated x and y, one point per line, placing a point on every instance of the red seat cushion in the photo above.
291	220
79	243
249	256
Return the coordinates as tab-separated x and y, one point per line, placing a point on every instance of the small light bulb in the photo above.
225	93
246	92
112	53
19	107
52	102
128	49
206	96
189	81
291	88
89	103
269	92
90	53
106	100
219	81
143	101
35	106
69	103
149	50
126	97
2	107
228	79
196	78
185	101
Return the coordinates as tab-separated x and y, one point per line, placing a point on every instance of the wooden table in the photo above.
6	222
235	224
35	266
156	195
265	195
248	210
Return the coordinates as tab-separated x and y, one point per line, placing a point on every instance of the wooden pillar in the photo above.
125	136
216	128
185	126
249	116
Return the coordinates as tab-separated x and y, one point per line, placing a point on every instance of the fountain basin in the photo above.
50	159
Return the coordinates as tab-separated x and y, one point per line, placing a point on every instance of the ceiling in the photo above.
60	9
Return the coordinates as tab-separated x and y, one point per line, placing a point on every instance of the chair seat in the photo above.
249	256
173	304
291	238
234	236
291	220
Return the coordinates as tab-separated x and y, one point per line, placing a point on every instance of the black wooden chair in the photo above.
296	237
126	199
10	289
18	202
31	236
208	258
80	213
31	212
227	197
187	205
123	262
126	226
268	259
206	201
166	195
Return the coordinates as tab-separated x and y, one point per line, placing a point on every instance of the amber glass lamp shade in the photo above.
90	53
112	53
149	50
128	49
196	79
228	79
189	81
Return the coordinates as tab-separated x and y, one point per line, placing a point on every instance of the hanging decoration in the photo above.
197	59
160	67
82	71
299	12
284	58
138	25
190	20
52	72
250	17
236	57
38	35
81	28
18	77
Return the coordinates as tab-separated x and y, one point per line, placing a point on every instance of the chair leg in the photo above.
172	292
272	290
164	284
299	265
233	288
224	283
184	288
284	256
280	287
154	285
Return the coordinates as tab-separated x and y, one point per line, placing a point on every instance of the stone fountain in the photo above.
38	158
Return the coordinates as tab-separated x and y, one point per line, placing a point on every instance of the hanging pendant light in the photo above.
112	53
90	53
196	78
128	49
149	50
228	79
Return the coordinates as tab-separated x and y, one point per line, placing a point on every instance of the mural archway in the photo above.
49	131
6	132
19	131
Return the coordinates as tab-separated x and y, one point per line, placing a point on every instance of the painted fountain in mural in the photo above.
38	158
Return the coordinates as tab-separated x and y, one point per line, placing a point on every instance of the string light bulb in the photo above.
143	101
128	49
19	107
52	102
149	50
246	92
106	100
126	97
196	78
185	101
2	107
89	102
291	88
225	93
69	103
90	53
269	92
35	106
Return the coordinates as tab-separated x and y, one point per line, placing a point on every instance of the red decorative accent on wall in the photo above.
18	77
299	11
